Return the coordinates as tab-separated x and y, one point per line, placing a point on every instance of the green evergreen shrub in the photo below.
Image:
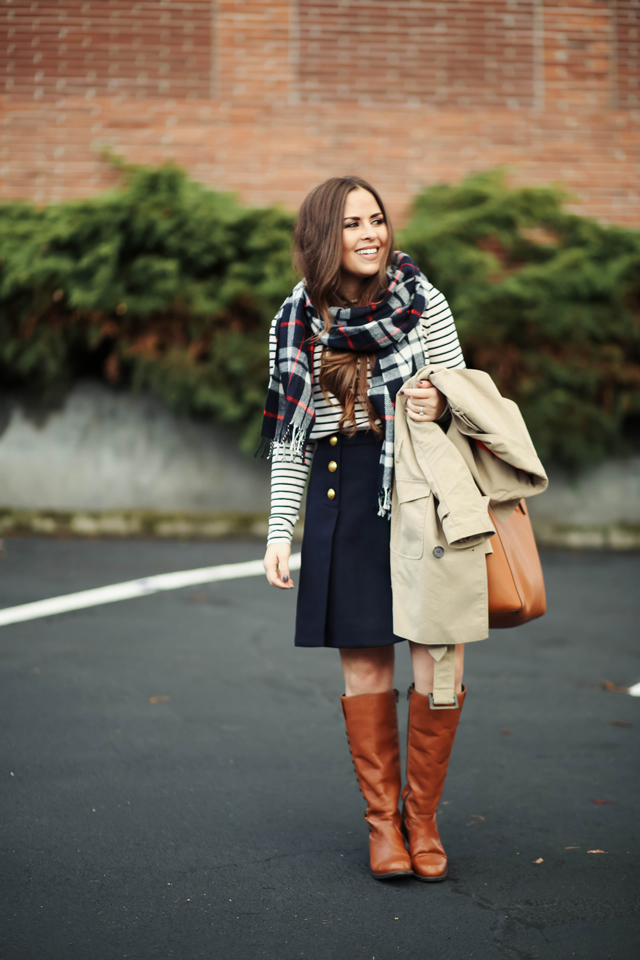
545	301
162	285
166	286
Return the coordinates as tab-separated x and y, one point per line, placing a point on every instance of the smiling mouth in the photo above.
367	252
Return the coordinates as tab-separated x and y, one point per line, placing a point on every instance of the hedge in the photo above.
165	286
162	285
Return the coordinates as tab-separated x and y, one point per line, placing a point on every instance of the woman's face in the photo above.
364	235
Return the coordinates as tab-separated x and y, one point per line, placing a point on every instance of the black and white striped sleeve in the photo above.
288	479
440	334
287	487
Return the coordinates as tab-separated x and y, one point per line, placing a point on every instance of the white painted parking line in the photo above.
135	588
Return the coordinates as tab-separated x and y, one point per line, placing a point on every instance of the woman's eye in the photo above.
381	220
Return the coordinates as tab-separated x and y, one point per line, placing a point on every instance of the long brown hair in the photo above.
318	256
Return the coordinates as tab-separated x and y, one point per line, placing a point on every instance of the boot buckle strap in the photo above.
443	706
443	677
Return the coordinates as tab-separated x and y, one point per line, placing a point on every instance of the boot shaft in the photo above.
371	721
430	736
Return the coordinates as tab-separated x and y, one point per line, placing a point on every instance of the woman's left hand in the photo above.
425	402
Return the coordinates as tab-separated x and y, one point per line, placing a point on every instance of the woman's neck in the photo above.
350	288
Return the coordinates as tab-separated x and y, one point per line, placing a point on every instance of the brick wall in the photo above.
57	48
463	54
627	40
267	98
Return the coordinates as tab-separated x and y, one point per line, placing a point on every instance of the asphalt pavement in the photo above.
176	782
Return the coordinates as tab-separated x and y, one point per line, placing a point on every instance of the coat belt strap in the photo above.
444	696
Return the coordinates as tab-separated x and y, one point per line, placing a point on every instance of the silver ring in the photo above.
421	412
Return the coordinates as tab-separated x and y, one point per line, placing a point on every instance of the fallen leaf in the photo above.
604	801
596	851
159	699
613	687
505	731
539	860
572	848
617	723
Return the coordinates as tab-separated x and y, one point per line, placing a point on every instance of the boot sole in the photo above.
390	876
432	879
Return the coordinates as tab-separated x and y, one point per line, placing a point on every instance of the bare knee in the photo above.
367	671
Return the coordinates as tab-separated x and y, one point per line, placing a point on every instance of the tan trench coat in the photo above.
443	485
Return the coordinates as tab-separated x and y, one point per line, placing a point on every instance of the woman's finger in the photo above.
425	405
429	411
284	577
420	394
276	569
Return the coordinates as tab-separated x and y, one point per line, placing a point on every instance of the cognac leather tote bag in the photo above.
514	573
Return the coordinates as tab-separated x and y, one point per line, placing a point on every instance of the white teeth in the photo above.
368	250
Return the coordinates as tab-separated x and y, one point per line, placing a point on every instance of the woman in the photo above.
363	320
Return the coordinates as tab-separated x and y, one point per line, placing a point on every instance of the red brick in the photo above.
267	103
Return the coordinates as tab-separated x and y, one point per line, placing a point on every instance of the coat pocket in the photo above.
407	527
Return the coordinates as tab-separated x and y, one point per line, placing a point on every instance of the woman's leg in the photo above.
422	663
369	708
368	670
430	735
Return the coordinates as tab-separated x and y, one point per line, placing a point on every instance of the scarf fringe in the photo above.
384	502
292	447
263	449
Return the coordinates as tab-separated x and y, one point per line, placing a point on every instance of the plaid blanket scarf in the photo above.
389	328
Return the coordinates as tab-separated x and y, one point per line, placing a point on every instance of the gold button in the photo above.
333	466
331	493
333	441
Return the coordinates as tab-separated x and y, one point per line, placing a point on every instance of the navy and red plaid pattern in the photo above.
388	328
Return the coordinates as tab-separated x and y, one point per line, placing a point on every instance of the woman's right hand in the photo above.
276	565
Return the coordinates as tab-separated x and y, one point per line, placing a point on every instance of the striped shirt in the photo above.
288	480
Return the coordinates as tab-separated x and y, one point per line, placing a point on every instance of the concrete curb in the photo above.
240	525
134	523
612	536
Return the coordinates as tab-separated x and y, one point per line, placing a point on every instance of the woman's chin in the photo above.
364	270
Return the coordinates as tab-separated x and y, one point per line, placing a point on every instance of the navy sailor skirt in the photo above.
344	584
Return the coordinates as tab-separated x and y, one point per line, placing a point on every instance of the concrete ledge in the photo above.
134	523
612	536
186	525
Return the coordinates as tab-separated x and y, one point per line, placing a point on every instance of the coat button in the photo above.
331	493
438	552
333	466
333	440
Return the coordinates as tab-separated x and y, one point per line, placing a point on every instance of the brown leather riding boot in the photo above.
372	730
430	736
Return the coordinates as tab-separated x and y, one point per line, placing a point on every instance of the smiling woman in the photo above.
360	324
365	241
354	273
